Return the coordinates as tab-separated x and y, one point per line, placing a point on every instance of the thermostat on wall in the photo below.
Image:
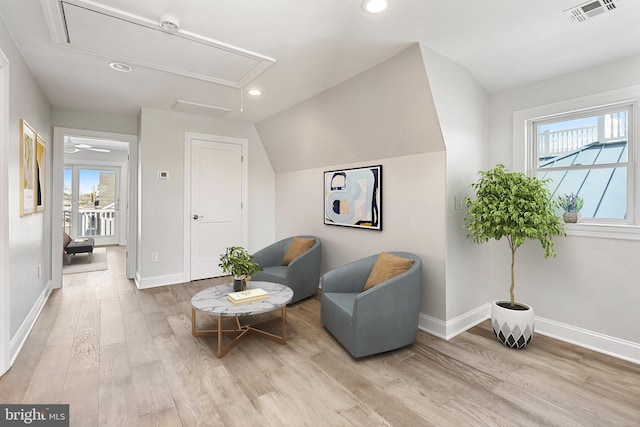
163	174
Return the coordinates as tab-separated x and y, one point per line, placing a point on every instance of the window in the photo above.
587	154
587	146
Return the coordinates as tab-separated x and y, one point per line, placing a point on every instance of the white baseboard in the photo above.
433	326
156	281
23	332
612	346
468	320
601	343
455	326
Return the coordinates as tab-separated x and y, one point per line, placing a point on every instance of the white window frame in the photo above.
525	152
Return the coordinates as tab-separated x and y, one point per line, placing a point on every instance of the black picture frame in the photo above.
353	197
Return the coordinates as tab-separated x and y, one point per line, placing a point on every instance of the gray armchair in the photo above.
302	274
379	319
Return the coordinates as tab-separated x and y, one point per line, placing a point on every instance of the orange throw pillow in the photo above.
297	247
386	267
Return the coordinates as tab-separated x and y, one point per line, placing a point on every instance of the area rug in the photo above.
80	263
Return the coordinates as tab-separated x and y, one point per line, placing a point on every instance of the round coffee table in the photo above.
214	301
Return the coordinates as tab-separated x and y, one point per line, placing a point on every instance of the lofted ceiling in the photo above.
290	49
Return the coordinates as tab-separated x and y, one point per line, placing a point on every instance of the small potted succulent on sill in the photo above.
571	204
239	263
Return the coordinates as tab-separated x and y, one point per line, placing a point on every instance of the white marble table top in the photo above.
214	300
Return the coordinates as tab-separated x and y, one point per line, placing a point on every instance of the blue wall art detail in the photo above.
353	197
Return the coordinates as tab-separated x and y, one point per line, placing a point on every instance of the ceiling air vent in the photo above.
591	9
194	107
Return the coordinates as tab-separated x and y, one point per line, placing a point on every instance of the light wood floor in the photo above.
124	357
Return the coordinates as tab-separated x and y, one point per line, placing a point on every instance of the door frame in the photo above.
57	188
188	139
5	332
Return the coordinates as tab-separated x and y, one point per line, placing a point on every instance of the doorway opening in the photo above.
94	192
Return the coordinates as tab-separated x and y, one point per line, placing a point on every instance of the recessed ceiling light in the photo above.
119	66
254	92
374	6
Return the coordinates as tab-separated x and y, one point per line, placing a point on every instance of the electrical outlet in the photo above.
458	202
39	270
154	256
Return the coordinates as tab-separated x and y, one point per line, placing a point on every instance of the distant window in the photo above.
588	153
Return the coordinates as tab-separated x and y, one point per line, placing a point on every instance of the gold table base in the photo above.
241	331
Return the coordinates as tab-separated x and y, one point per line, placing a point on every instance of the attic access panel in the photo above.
137	41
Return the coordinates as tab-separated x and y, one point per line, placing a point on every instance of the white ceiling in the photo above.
316	44
77	144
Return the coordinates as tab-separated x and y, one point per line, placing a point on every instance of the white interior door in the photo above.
216	204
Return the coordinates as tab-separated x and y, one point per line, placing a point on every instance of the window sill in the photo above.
603	231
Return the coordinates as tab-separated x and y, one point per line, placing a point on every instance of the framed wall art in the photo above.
353	197
27	168
41	173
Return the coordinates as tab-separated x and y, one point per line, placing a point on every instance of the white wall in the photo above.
95	121
462	108
29	236
162	140
591	288
413	198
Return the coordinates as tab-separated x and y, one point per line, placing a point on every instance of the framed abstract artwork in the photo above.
27	168
353	197
41	173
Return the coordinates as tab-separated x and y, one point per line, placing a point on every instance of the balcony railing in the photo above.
553	143
92	222
611	127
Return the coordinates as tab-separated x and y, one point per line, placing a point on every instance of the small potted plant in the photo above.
571	204
239	263
517	207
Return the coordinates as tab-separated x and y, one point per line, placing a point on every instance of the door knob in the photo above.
195	216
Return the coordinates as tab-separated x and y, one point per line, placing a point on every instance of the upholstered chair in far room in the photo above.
372	305
294	262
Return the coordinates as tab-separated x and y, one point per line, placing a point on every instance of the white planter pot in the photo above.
513	327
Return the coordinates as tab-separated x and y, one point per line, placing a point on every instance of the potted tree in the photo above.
239	263
571	204
517	207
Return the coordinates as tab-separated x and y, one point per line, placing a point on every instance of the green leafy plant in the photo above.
515	206
571	202
238	262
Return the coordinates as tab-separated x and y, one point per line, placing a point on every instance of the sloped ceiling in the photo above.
387	111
